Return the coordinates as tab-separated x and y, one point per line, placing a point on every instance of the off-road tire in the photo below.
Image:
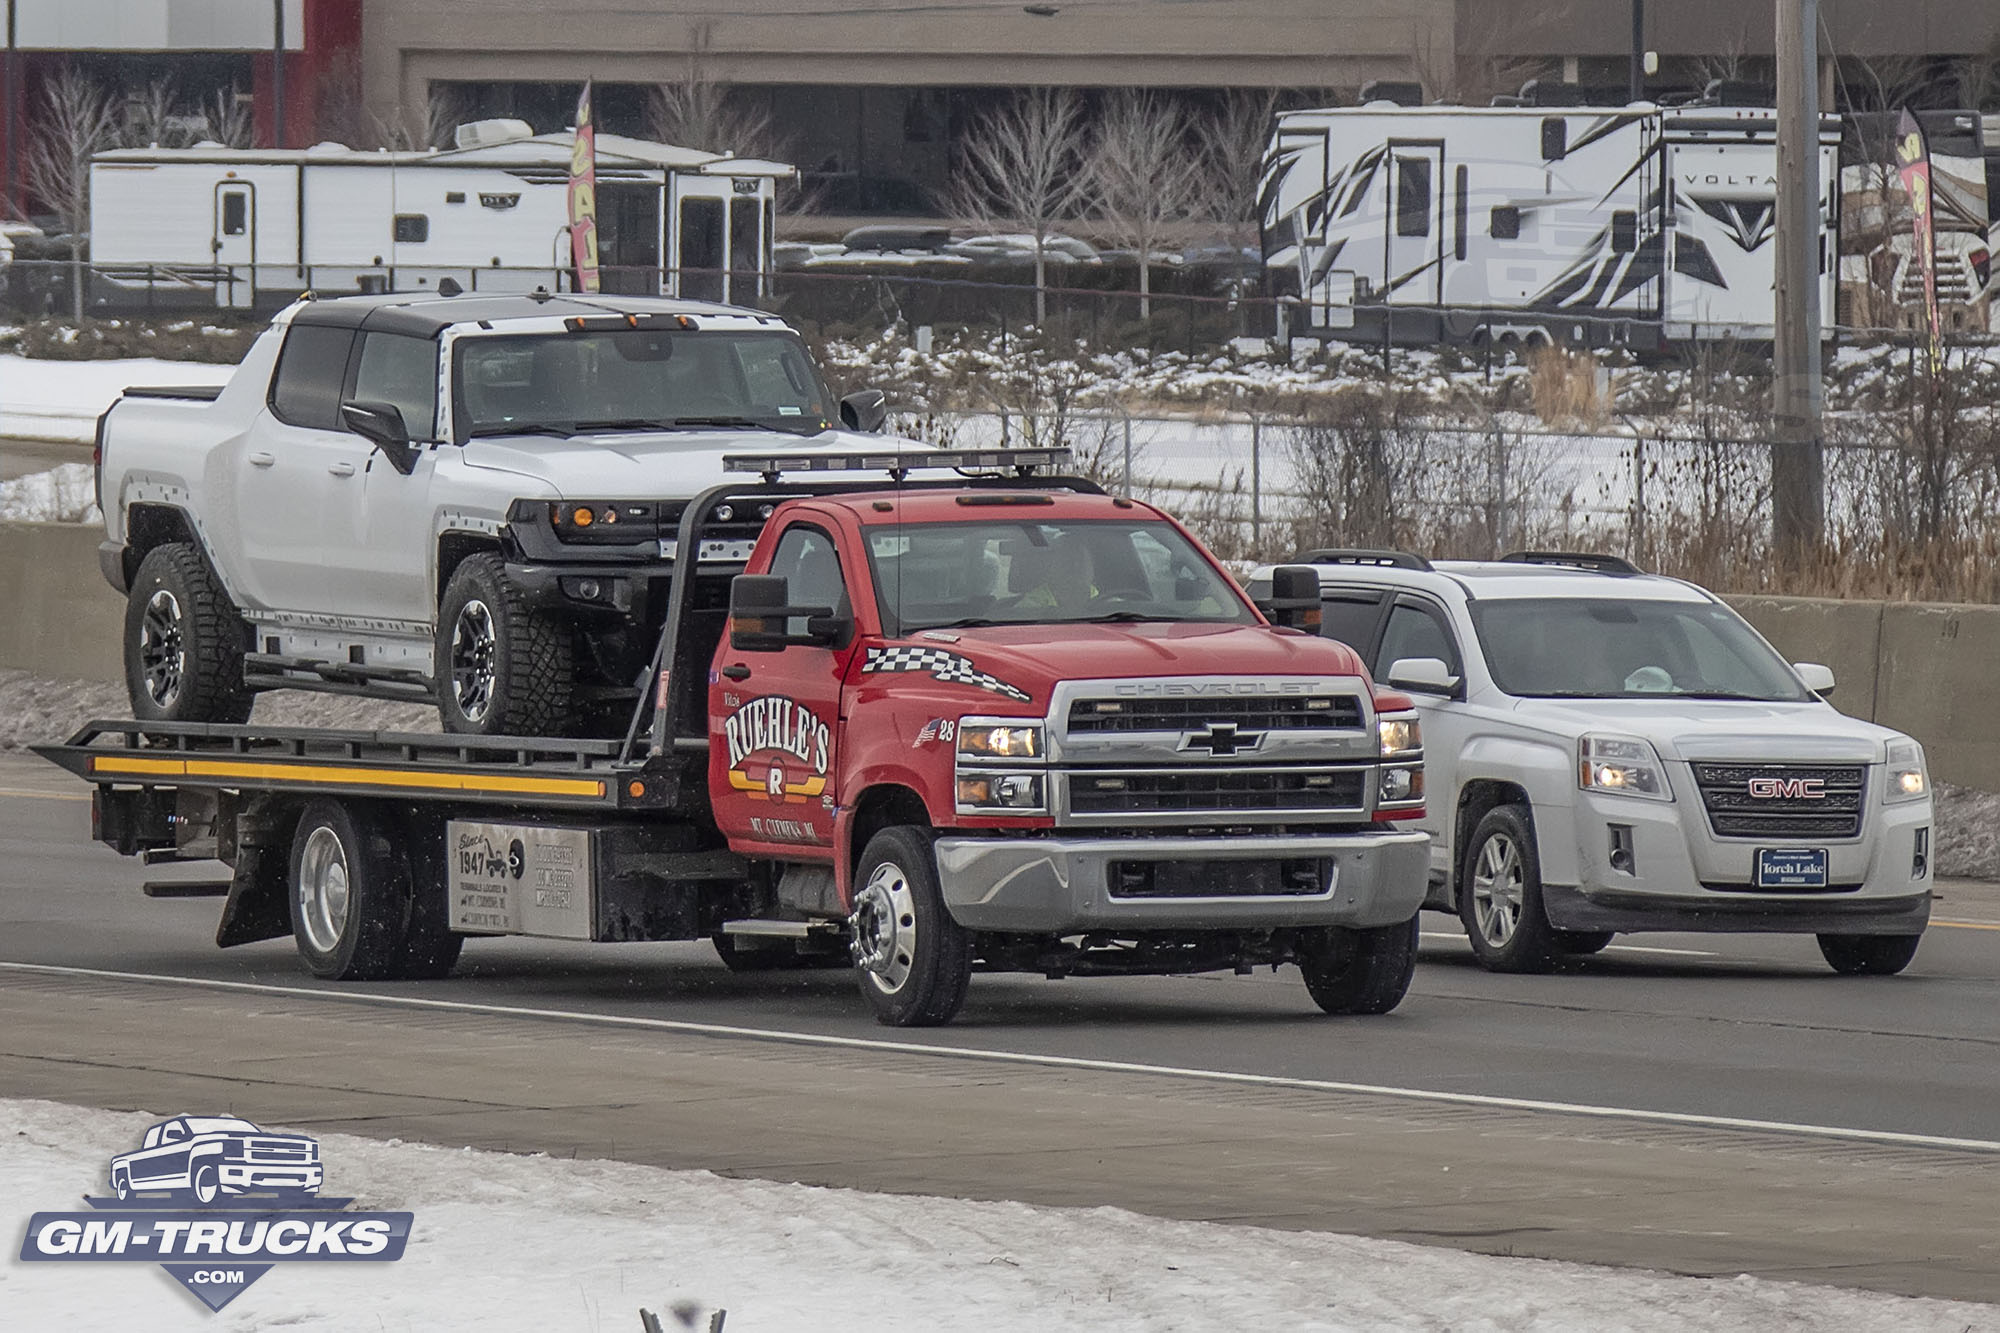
1578	943
359	932
1350	971
1869	955
1528	943
178	616
533	657
927	957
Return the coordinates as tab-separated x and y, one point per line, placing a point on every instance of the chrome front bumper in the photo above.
1063	885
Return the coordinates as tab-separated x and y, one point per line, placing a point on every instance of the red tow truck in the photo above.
994	720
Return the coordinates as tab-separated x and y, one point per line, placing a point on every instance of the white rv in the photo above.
1638	225
257	226
1881	279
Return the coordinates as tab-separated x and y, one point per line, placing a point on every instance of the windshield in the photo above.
934	575
638	379
219	1125
1591	648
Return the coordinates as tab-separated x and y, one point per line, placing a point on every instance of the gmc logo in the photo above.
1788	789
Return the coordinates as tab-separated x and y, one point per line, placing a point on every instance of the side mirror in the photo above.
864	410
382	424
1817	678
1423	675
1294	601
760	611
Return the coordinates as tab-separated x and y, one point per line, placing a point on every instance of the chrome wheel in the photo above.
472	649
323	889
885	928
162	648
1499	880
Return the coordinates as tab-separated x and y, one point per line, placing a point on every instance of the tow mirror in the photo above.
1817	678
760	614
382	425
864	410
1294	600
1423	675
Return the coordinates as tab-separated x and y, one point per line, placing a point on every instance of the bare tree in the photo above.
153	118
1024	163
78	121
226	119
698	111
1143	176
1233	142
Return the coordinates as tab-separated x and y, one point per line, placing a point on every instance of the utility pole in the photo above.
1798	465
1638	51
10	77
277	73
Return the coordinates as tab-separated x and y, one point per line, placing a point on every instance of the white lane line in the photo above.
41	795
1614	948
878	1044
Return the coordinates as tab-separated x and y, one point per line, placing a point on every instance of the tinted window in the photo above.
743	249
235	213
1414	632
1625	232
1413	196
809	564
411	227
1351	620
312	369
401	371
701	249
1506	224
1463	190
1601	648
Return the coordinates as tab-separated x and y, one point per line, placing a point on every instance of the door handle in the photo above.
736	671
262	459
341	469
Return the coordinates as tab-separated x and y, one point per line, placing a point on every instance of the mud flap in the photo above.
258	908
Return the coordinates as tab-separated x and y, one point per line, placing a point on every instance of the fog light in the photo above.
590	590
1920	860
1621	856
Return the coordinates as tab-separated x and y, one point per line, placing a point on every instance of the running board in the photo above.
782	930
268	671
186	888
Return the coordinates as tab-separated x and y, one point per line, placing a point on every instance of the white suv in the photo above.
1610	751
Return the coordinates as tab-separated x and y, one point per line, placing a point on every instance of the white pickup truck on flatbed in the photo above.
1611	751
466	499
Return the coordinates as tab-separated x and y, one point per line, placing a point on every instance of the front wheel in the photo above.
207	1185
183	642
914	961
1359	971
1500	895
1869	955
501	667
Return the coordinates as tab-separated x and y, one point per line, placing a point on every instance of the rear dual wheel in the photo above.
357	912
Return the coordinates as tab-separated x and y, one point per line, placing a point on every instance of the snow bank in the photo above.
34	710
65	494
503	1242
61	400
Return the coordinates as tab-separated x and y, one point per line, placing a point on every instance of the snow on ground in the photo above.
34	711
65	494
504	1242
61	400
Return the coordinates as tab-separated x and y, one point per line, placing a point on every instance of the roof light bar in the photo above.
620	323
897	463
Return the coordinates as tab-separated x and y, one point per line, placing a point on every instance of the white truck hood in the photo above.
670	465
1718	728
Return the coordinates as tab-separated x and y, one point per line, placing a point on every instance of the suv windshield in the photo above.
1598	648
934	575
638	379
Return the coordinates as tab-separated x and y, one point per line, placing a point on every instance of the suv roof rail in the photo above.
1588	561
1361	556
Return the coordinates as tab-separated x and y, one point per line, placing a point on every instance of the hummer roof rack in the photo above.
1362	556
899	463
1587	561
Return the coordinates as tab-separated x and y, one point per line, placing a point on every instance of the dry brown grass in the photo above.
1564	387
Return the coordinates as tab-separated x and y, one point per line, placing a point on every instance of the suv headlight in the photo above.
1909	779
983	738
1623	766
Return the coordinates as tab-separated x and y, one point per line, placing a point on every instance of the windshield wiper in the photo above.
554	428
1126	618
967	622
623	423
745	423
1726	694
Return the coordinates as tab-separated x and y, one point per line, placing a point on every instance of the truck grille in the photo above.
278	1150
1783	801
1203	791
1304	712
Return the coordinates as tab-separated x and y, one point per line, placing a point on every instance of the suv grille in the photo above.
1313	712
1783	801
1205	790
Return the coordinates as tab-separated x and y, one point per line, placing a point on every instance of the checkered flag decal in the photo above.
942	666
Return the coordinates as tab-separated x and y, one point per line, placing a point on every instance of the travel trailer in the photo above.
1643	226
255	227
1881	282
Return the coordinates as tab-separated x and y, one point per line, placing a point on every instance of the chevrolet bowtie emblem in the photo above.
1222	739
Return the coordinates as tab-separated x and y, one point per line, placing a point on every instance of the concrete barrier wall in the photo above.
58	617
1926	669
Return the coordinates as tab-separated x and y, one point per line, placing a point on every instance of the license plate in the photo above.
1791	868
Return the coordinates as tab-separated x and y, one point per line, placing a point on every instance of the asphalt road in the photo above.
18	458
1253	1106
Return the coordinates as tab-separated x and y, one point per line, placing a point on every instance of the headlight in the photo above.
1622	766
604	521
1400	734
999	738
1006	793
1908	780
